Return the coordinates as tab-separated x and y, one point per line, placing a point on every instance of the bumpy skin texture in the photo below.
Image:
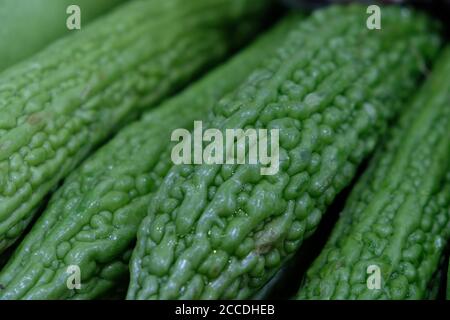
398	216
59	105
92	220
221	231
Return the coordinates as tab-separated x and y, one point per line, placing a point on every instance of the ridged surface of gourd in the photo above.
59	105
397	218
93	218
222	231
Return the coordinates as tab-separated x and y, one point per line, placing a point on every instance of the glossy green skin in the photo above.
27	26
398	215
54	113
222	231
93	218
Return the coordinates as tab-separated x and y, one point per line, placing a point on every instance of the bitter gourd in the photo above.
57	107
27	26
92	219
397	218
221	231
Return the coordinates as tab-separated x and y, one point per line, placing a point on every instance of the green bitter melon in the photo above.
93	218
59	105
222	231
27	26
397	218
